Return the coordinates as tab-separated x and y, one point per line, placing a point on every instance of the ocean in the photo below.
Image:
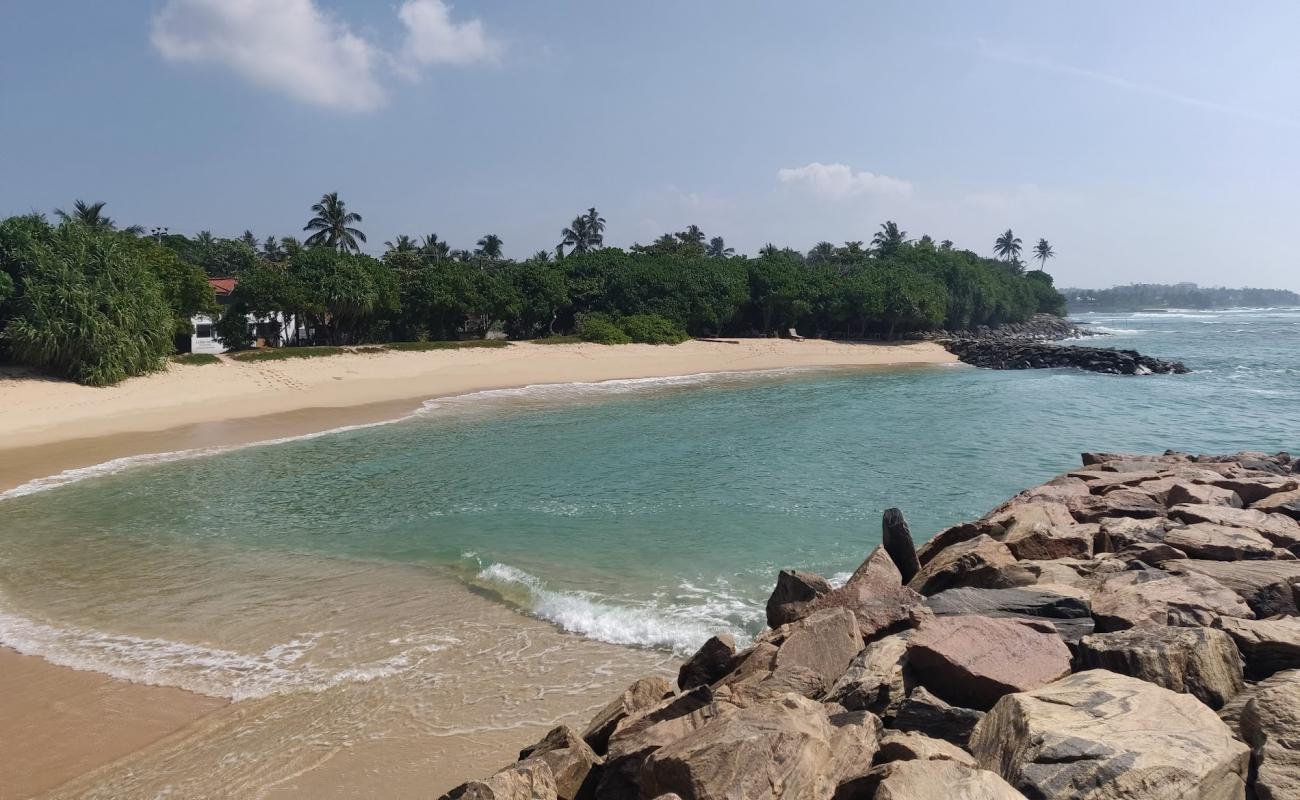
563	538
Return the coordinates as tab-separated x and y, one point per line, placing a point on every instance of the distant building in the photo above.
268	332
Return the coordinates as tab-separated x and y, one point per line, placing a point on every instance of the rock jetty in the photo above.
1013	354
1038	328
1128	630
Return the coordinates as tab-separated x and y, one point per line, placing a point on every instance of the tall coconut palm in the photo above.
205	239
577	236
889	238
1007	246
718	248
821	253
595	229
402	244
291	245
1042	252
333	225
249	239
433	248
692	234
852	249
489	247
769	249
92	216
272	249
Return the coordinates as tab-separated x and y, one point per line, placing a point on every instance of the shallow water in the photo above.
648	513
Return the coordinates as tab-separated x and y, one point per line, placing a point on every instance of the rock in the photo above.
1122	503
1254	489
1287	503
875	680
530	780
972	661
1047	542
1268	587
1271	724
711	662
1202	662
896	538
994	354
1136	473
643	694
854	743
823	643
922	712
1279	529
972	563
876	596
922	780
1219	542
1152	597
794	590
1103	736
1117	533
1152	555
1071	615
1058	488
640	735
910	746
778	749
568	757
1201	493
1267	645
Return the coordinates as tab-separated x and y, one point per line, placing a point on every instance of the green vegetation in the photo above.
97	304
1139	296
196	359
285	353
465	345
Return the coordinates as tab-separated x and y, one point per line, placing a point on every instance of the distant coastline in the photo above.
1159	297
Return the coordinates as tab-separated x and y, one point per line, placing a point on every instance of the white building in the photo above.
269	332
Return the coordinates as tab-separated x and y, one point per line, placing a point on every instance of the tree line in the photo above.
1139	296
81	298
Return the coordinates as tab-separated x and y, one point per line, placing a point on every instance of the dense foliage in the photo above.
95	303
1139	296
89	303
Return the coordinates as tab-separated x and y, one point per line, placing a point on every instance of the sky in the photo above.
1148	142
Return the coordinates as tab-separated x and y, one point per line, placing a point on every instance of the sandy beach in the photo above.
74	726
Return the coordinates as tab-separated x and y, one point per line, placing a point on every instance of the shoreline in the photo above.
53	426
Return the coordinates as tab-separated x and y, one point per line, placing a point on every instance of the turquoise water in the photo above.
657	512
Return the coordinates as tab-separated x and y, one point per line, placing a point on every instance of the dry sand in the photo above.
57	723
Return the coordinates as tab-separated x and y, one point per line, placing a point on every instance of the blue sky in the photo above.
1147	141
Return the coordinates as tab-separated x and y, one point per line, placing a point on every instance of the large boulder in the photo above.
912	746
1267	645
1287	503
1252	489
778	749
977	562
923	712
1279	529
876	680
1202	662
569	758
1117	533
1268	587
1202	493
641	695
1271	724
1152	597
1219	542
1103	736
1043	530
921	780
794	591
1070	613
1121	503
529	780
896	538
972	661
641	734
875	594
823	643
711	662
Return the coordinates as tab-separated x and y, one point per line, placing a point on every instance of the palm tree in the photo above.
1007	246
541	257
851	249
272	249
769	249
692	234
92	216
595	229
577	236
434	248
489	247
249	239
821	253
889	238
205	239
946	244
333	225
291	245
1042	252
403	244
718	248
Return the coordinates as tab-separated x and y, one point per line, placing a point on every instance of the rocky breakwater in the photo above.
1126	631
1013	354
1038	328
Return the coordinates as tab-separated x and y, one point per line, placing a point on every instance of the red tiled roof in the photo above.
223	286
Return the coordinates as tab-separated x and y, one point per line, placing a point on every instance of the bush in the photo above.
196	359
652	329
600	330
284	353
470	344
559	339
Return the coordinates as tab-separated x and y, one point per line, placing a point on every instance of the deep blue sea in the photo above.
648	513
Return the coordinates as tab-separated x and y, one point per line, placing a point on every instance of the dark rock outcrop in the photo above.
998	354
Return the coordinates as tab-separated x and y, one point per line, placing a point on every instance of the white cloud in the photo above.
839	181
433	38
295	47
